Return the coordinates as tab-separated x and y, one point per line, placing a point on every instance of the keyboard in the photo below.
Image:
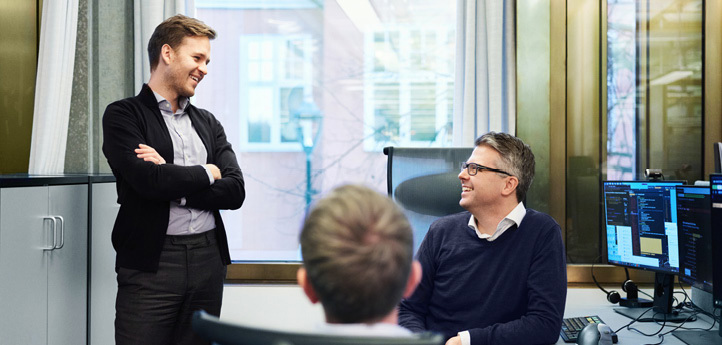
573	325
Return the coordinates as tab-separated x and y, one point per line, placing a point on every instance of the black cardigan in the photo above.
146	189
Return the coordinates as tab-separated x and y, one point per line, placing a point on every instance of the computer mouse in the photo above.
595	334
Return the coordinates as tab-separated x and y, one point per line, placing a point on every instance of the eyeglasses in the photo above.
473	168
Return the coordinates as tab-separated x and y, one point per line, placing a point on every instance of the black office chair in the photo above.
221	332
424	183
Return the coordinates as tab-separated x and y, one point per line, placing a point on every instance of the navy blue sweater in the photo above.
508	291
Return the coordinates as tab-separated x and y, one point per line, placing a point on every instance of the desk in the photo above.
592	301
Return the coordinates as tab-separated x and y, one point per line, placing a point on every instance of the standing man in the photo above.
357	249
174	171
497	273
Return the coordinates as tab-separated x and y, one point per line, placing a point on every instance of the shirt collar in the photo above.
517	214
360	329
182	101
513	218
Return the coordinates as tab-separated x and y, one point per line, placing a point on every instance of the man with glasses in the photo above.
497	273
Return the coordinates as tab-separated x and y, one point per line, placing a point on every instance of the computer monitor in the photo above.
711	337
641	224
715	183
641	232
695	236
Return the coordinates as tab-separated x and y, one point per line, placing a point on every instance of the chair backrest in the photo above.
221	332
425	183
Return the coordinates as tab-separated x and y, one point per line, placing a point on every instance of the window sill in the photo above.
285	273
262	273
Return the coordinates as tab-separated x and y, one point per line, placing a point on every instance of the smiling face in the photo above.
187	65
486	187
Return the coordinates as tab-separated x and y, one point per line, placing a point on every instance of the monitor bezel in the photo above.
603	223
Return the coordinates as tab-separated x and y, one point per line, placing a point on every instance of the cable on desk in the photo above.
646	294
661	337
612	296
697	308
633	321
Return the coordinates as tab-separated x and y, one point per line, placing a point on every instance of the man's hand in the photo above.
454	341
215	171
149	154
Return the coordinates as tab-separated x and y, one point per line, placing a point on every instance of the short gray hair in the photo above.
516	158
357	249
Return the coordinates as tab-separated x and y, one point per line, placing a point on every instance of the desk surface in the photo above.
592	301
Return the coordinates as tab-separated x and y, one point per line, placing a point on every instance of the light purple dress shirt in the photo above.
188	149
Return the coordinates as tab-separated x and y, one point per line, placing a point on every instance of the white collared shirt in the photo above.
378	329
188	149
513	218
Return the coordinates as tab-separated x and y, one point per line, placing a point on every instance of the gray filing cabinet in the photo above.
103	285
43	259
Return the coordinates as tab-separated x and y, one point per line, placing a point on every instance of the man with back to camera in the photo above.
495	274
357	249
174	171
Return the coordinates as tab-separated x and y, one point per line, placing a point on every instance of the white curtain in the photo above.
147	15
53	86
485	96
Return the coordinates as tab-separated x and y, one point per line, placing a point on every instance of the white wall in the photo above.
275	306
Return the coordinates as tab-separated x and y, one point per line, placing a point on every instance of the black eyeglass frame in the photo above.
479	167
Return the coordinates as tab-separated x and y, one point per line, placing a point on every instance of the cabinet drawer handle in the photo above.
62	232
55	227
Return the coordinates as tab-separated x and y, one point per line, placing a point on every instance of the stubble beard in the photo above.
181	85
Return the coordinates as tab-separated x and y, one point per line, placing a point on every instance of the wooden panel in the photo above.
18	61
712	82
283	273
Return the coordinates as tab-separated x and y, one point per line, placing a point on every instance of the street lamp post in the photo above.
308	119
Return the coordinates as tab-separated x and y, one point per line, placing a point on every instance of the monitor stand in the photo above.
662	310
649	315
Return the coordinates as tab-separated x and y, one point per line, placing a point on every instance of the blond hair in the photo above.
357	249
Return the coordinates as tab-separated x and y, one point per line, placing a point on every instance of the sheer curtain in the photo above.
485	96
147	15
53	86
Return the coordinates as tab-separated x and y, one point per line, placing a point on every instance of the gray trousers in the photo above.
156	308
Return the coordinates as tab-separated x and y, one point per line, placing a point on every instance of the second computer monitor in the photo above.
716	209
641	224
695	236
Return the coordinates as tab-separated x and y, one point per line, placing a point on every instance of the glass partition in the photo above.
654	89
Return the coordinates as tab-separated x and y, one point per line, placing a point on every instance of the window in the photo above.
309	92
276	79
410	87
